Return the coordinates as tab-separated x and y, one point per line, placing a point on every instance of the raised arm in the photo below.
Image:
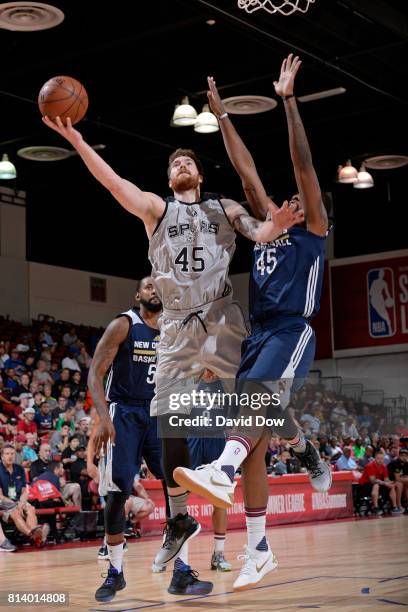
239	155
105	353
149	207
306	179
280	220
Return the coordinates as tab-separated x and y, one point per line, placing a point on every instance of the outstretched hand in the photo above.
281	219
290	66
214	99
66	131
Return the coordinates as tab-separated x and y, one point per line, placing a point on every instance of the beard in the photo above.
151	306
184	182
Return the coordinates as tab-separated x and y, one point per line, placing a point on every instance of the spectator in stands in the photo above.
41	374
26	423
366	440
60	409
15	363
83	430
47	393
281	466
23	386
365	419
66	392
349	429
29	453
13	498
59	440
358	449
19	442
79	411
3	355
54	371
69	337
84	359
398	473
346	462
64	379
11	379
38	400
79	472
29	363
368	457
45	336
402	429
334	451
70	361
338	413
67	417
43	418
68	456
312	419
375	481
41	465
77	386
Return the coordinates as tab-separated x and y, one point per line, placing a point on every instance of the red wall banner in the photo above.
291	500
369	298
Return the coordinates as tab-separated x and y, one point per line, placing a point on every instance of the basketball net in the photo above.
284	7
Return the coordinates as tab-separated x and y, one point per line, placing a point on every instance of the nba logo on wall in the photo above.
381	302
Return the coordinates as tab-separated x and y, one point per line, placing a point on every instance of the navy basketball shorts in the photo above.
279	350
136	437
204	450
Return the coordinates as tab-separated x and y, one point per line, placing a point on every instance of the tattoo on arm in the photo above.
105	352
247	226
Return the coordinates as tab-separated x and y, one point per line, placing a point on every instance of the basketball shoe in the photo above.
257	563
185	581
219	562
208	481
114	581
178	530
320	474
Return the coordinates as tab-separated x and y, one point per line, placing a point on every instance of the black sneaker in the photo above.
177	531
185	582
320	474
114	581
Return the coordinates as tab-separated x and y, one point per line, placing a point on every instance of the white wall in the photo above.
65	294
14	299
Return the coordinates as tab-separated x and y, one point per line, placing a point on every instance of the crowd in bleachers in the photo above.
46	416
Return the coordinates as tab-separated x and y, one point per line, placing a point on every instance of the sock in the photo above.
299	446
255	519
237	448
181	562
116	555
219	542
178	504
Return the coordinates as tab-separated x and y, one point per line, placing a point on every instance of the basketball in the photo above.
63	96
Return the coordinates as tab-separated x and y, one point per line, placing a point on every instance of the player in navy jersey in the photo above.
284	293
128	350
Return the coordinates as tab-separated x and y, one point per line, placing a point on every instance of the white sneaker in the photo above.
257	564
208	481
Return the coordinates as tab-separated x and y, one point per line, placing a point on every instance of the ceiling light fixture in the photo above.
364	180
184	114
347	173
7	169
206	122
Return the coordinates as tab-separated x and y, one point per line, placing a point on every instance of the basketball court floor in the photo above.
342	566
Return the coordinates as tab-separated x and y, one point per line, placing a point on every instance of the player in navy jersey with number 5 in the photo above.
284	293
128	348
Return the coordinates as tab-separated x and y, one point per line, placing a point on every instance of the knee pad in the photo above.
115	519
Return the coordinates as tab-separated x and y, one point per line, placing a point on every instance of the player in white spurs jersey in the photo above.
192	241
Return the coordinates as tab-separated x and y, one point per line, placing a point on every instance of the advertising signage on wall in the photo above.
369	303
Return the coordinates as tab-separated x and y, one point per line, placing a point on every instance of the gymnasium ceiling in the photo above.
137	59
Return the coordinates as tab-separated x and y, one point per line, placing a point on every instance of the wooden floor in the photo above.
349	566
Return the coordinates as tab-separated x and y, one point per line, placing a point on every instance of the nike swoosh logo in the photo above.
259	569
219	484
